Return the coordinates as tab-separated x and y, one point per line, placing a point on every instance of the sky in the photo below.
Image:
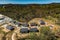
28	1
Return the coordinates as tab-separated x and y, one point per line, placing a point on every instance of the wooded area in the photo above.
26	12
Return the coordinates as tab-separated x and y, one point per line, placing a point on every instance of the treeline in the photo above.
25	12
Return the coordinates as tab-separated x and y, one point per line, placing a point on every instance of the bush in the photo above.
45	34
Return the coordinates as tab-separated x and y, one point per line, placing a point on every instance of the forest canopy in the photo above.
26	12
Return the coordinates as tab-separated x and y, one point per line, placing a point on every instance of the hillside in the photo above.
26	12
30	13
6	33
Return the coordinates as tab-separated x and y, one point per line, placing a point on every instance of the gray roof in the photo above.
34	30
42	22
25	24
24	30
10	27
15	22
33	24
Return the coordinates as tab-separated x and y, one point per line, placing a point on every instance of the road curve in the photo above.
14	36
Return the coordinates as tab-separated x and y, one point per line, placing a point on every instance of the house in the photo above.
42	22
25	25
33	24
34	27
16	23
24	30
33	30
13	21
9	27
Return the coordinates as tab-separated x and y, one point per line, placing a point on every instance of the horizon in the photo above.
28	1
